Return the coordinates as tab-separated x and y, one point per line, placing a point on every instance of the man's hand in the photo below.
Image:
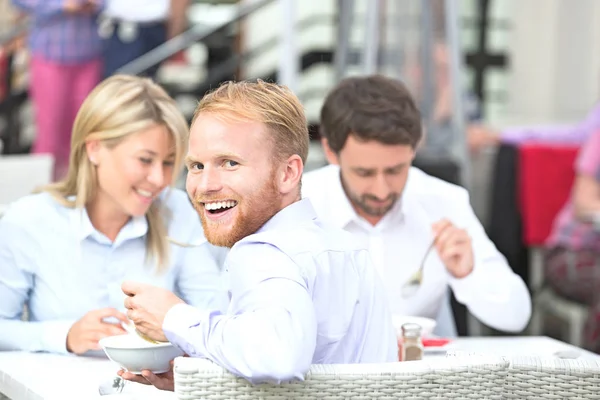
72	6
85	334
81	6
147	307
164	381
479	137
454	248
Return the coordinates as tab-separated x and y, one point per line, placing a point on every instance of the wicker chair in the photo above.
552	378
465	377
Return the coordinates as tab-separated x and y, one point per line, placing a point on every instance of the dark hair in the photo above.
370	108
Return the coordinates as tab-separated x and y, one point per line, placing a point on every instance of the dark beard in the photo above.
361	201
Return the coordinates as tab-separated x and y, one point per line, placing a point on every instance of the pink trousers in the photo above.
57	91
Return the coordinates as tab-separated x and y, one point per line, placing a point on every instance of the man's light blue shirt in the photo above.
302	293
56	262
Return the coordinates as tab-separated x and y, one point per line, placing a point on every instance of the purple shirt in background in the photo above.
61	37
568	231
571	134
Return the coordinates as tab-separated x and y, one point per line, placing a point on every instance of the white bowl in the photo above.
427	324
134	354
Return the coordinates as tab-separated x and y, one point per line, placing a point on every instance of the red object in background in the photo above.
178	58
546	175
435	342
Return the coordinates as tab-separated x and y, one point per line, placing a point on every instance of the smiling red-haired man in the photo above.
302	292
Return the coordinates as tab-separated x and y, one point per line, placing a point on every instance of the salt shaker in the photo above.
412	345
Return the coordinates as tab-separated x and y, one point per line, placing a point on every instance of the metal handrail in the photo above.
184	40
224	68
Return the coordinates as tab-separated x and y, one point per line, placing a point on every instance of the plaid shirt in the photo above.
61	37
568	231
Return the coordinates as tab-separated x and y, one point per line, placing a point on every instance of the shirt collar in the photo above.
82	226
343	213
292	215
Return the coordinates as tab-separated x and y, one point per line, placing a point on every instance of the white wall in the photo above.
555	65
554	72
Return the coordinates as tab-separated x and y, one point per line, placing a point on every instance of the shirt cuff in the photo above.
465	288
54	336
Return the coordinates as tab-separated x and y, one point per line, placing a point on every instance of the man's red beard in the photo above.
252	213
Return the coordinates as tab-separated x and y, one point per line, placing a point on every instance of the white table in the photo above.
510	346
36	376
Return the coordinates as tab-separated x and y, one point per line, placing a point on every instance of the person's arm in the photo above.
199	280
586	197
586	189
177	18
269	334
492	291
17	273
576	134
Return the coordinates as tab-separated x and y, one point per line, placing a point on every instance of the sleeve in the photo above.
269	333
17	276
574	134
492	291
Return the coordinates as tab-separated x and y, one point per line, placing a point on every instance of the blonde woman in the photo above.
65	251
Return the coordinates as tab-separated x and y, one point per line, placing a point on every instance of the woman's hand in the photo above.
85	334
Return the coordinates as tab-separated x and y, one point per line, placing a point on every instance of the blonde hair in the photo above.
274	105
118	107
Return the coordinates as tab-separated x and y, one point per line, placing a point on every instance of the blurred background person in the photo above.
65	66
370	129
131	28
64	252
572	261
9	17
439	134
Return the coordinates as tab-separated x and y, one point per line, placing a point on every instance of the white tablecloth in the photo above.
510	346
35	376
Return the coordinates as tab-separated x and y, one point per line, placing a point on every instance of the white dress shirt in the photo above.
56	262
138	10
397	244
302	293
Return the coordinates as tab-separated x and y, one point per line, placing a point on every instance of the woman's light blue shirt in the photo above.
53	260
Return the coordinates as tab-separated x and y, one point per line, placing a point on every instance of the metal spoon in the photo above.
412	285
113	386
